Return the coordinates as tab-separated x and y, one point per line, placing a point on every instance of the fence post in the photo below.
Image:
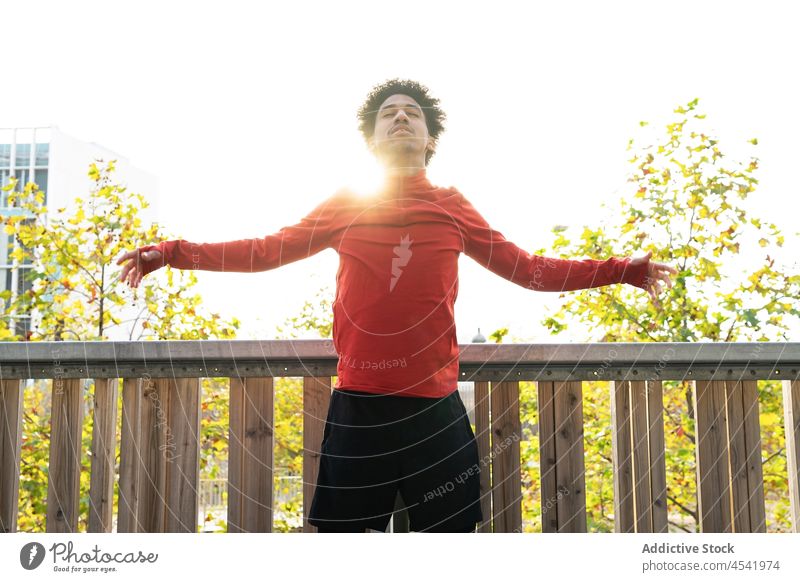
11	397
791	410
160	468
250	450
506	478
562	459
637	442
104	450
729	479
63	484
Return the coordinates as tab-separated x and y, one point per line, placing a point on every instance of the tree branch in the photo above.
74	260
682	507
631	317
691	227
772	456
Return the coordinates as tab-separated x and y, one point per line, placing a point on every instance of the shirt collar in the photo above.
418	182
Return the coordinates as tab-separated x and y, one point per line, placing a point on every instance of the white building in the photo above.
59	165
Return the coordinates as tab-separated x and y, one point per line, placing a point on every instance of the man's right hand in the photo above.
138	262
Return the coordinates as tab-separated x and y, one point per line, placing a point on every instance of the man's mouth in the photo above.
399	129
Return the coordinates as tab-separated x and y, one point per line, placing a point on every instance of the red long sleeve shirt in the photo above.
397	282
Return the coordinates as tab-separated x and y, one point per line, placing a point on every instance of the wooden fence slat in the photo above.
183	455
547	456
236	452
482	432
161	424
641	457
131	463
740	519
250	464
658	464
153	449
316	399
11	398
713	479
570	473
791	411
752	441
63	487
104	444
624	515
260	428
730	481
506	477
640	481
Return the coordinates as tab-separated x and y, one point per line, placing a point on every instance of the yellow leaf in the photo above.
768	418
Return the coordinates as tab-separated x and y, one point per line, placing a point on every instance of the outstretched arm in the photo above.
291	243
491	249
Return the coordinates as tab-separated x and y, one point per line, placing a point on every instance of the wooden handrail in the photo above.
478	362
161	401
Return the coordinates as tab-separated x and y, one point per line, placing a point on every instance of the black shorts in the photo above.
375	444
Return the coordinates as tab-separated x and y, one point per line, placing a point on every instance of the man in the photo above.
396	421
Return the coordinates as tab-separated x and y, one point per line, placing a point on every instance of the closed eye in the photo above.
412	112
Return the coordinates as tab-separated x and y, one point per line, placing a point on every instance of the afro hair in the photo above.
434	116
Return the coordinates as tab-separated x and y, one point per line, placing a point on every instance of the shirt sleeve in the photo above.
291	243
490	249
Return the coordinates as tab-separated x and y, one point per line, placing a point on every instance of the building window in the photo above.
40	177
5	178
23	156
42	154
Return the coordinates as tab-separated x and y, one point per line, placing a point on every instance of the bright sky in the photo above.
246	114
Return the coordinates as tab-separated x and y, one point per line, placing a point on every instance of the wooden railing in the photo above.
161	400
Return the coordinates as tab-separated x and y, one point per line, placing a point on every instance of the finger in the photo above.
124	258
656	291
125	271
668	279
652	292
660	271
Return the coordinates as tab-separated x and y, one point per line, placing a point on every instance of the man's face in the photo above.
400	128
